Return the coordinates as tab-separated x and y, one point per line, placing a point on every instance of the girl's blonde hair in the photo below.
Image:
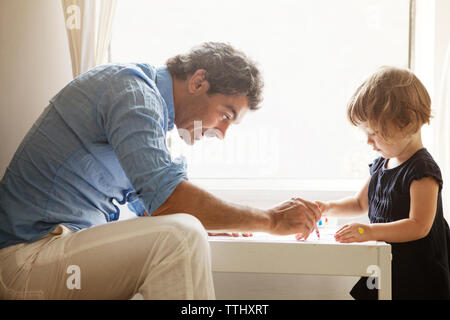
391	100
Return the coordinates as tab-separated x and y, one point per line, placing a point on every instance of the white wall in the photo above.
34	65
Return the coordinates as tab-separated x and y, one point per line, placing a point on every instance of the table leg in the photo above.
385	281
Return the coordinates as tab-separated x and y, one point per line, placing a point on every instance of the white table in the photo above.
264	253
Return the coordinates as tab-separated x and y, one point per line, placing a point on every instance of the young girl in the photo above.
403	194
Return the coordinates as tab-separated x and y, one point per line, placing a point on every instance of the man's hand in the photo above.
294	216
324	207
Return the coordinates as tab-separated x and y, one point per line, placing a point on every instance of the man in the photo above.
103	138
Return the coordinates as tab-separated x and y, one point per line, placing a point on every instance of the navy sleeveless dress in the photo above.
420	268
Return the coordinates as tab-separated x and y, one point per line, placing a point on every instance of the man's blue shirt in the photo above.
102	138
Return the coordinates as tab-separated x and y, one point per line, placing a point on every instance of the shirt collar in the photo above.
164	83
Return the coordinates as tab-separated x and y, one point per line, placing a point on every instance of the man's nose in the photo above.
214	133
222	130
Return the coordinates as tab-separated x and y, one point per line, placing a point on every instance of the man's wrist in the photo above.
269	221
263	220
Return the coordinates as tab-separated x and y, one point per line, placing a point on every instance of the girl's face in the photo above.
395	147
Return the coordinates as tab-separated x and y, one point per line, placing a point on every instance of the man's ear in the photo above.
197	83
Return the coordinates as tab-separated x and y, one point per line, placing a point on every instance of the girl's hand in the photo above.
354	232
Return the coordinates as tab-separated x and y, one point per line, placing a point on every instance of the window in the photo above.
313	55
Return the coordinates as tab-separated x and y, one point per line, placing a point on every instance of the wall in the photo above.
34	65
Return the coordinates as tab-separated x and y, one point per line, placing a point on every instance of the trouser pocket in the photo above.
11	294
17	263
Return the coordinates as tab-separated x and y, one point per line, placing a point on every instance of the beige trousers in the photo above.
163	257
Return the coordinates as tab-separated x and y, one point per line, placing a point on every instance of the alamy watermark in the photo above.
73	20
256	150
373	282
74	280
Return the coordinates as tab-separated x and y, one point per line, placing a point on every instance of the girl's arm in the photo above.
424	193
348	207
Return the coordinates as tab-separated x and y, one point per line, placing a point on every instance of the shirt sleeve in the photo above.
131	113
136	206
375	165
423	168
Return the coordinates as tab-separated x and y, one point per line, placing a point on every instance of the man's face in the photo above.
211	116
199	114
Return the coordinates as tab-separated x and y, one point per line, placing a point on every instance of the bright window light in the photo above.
313	55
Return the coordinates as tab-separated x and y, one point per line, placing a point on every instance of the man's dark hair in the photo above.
228	71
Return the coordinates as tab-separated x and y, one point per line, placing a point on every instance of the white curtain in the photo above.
442	132
88	25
